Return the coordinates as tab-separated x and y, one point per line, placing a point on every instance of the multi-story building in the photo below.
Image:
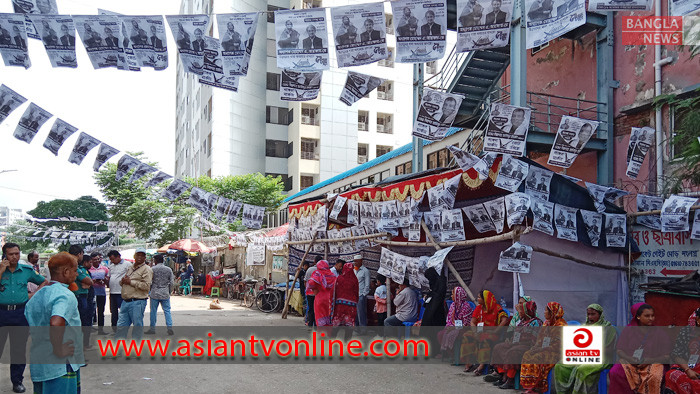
225	133
10	216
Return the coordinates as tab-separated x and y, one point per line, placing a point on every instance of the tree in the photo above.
85	207
19	232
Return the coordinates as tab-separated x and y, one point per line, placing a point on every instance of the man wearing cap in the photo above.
136	284
117	269
363	279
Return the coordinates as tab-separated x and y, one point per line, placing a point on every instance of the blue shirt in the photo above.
15	284
53	300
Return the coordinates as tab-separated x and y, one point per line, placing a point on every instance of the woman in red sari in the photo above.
321	284
538	361
345	296
684	377
488	313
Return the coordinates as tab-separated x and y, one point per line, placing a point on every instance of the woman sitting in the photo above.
545	353
487	314
460	314
684	377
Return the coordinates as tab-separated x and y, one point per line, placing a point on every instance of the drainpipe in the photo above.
658	63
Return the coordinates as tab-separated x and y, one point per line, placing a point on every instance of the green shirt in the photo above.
13	285
82	274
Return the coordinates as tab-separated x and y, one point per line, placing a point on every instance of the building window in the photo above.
277	148
389	23
383	149
362	153
271	14
405	168
384	124
286	180
271	48
306	4
539	48
278	115
684	130
273	81
309	149
362	120
385	91
431	67
440	158
306	181
389	61
209	145
309	115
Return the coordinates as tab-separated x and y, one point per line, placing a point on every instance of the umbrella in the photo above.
190	245
163	249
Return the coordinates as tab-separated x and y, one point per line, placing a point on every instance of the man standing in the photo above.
163	281
33	260
135	286
100	275
338	267
406	305
117	269
363	279
83	284
14	277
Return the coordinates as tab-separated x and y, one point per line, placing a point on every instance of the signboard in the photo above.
278	263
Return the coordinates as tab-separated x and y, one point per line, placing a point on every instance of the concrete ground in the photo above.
270	378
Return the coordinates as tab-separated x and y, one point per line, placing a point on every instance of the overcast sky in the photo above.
131	111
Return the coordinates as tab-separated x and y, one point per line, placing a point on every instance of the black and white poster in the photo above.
684	7
516	259
480	218
412	232
367	217
572	136
358	86
542	214
404	211
29	124
198	200
126	58
695	233
189	31
390	215
320	219
483	24
213	73
253	216
83	145
58	35
142	170
147	38
435	200
358	231
600	194
538	182
125	164
465	160
222	207
593	221
415	208
565	220
337	207
393	265
620	5
674	213
302	39
449	194
346	247
353	212
415	270
104	153
511	174
421	30
649	203
507	129
60	131
497	212
46	7
549	19
484	165
100	35
517	205
616	229
452	225
236	34
436	114
300	86
175	189
360	34
333	247
157	179
637	150
233	211
438	259
13	40
432	221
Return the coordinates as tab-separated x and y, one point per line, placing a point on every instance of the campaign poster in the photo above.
452	225
300	86
359	32
436	113
233	211
674	213
507	129
302	39
236	34
13	41
421	30
565	220
175	189
593	221
479	218
517	205
542	214
483	24
497	212
188	31
126	57
60	131
465	160
516	258
58	35
616	229
549	19
538	182
100	35
125	164
148	40
572	136
358	86
213	73
29	124
511	174
619	5
646	204
638	149
83	145
46	7
104	153
157	179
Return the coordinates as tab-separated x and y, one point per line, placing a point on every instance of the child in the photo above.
380	300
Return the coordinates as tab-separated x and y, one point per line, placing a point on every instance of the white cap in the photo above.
357	257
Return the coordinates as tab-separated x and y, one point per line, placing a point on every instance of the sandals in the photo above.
471	368
479	371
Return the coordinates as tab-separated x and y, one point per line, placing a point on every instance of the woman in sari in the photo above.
583	379
459	315
321	284
544	354
516	315
684	377
635	345
487	314
346	293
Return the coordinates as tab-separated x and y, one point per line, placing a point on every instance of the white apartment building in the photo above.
9	216
224	133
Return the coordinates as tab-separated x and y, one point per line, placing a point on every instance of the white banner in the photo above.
421	30
572	136
640	142
253	216
365	44
537	183
452	225
674	213
237	32
432	221
213	73
300	86
617	5
616	230
436	114
594	224
353	212
393	265
188	31
358	231
199	200
255	255
511	174
126	58
233	211
507	128
142	170
565	220
29	124
125	164
302	39
649	203
100	35
58	35
147	37
103	154
549	19
157	179
13	41
389	215
484	165
412	232
480	218
684	7
465	160
483	24
542	214
438	258
83	145
60	131
600	194
516	259
517	205
46	7
337	207
358	86
221	207
497	212
175	189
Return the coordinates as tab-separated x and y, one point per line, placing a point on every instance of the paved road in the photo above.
275	378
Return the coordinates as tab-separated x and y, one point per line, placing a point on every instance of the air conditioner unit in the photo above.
381	95
362	126
380	128
305	119
361	159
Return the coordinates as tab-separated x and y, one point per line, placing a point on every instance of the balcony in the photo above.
310	120
362	126
309	155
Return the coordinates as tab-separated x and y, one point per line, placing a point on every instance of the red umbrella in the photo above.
190	245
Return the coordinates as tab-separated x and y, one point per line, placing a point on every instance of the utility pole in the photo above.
417	158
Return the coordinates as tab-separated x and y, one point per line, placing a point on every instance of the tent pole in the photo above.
296	276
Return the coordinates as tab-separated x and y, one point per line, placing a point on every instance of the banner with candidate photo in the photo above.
46	7
360	34
253	216
537	183
674	213
484	165
157	179
147	38
516	259
695	232
60	131
222	207
188	31
420	31
233	211
358	86
300	86
175	189
497	212
353	212
338	205
593	221
393	265
549	19
142	170
236	34
542	214
29	124
432	222
58	35
480	218
511	174
572	136
465	160
436	113
684	7
620	5
199	200
83	145
517	205
646	204
302	39
452	225
104	153
483	24
565	220
13	41
125	164
615	230
600	194
641	139
100	35
507	129
214	74
126	58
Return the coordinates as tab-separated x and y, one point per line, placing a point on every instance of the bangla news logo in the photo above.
582	345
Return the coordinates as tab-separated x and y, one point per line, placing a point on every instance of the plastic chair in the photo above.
473	305
215	291
448	303
517	380
549	381
573	323
603	381
186	286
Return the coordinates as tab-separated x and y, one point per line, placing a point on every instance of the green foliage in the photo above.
85	207
255	189
25	245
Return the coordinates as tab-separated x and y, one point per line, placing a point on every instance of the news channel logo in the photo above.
582	345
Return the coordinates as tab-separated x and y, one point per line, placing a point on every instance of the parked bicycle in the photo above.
269	300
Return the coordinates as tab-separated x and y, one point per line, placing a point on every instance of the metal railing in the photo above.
548	109
448	71
309	155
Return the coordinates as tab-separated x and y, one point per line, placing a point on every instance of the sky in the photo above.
131	111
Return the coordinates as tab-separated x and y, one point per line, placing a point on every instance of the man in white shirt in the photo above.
338	267
117	269
363	279
406	305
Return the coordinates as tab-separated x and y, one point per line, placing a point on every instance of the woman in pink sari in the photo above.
459	315
321	283
684	376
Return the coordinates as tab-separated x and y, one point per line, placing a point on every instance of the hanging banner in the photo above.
695	233
684	7
198	200
29	124
233	211
565	220
674	213
616	230
367	215
188	31
125	164
253	216
484	165
537	183
542	214
413	231
126	58
142	170
103	154
436	114
337	207
517	205
83	145
353	212
157	179
483	24
432	221
100	36
221	207
236	32
497	212
516	259
46	7
255	255
465	160
358	231
438	259
594	224
358	86
545	23
452	226
300	86
213	74
617	5
390	215
60	131
434	201
415	270
421	30
60	48
649	203
480	218
9	101
393	265
147	37
511	174
572	136
175	189
404	212
355	48
449	192
307	51
13	41
507	129
601	194
638	149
